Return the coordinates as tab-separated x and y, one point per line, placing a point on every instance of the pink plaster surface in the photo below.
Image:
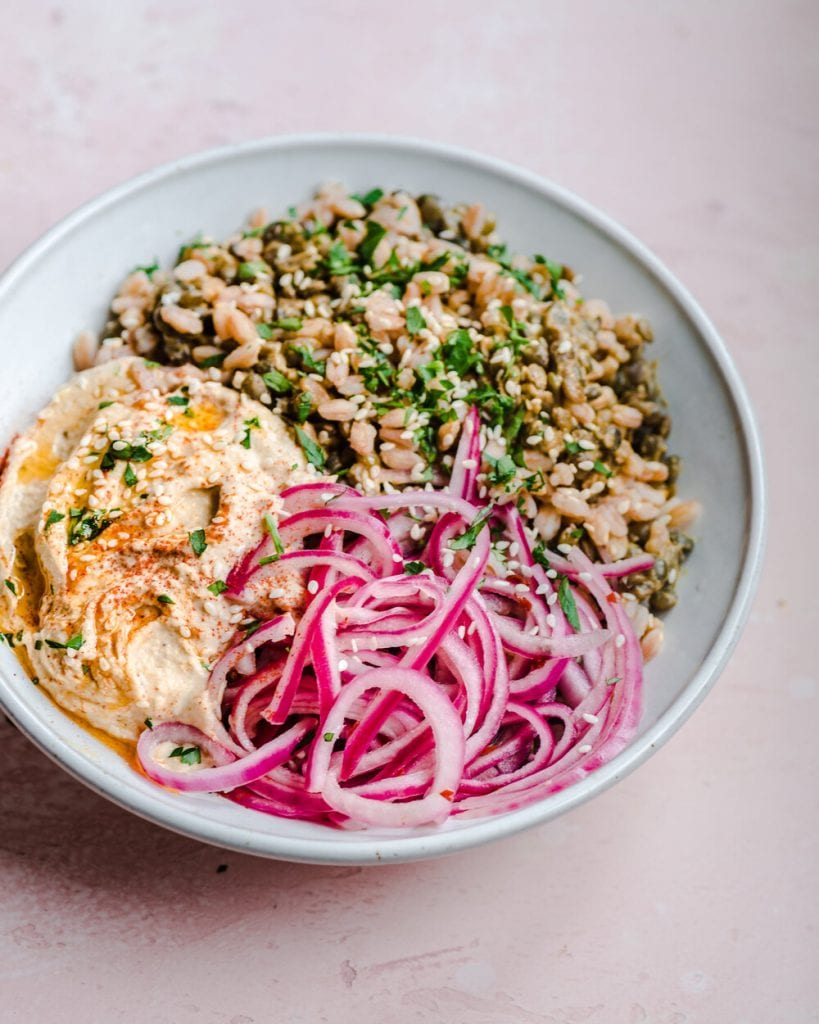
687	893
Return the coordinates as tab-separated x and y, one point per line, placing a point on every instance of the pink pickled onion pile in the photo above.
397	697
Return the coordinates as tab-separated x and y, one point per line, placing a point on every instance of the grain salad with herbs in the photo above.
372	323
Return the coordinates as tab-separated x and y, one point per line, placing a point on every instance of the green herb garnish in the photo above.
503	469
459	354
12	586
371	198
468	538
88	524
312	452
129	476
165	599
375	232
104	405
289	323
273	533
251	270
178	400
187	755
277	382
217	587
198	542
303	406
252	424
52	518
75	643
567	603
148	270
602	468
413	568
415	321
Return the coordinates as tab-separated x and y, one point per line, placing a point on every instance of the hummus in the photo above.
120	511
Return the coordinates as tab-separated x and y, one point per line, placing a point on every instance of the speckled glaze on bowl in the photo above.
77	266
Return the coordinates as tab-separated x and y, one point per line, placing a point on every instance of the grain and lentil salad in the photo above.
371	323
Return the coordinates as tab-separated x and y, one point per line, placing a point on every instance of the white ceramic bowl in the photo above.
64	282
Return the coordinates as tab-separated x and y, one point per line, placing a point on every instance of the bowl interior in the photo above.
65	282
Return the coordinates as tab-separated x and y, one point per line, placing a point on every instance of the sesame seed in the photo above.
527	571
564	347
119	446
584	748
185	631
461	631
327	496
472	627
398	559
584	575
542	589
342	665
276	593
552	574
312	587
354	645
512	564
534	631
619	640
551	599
591	719
586	465
587	446
328	530
469	463
534	439
522	588
564	549
551	621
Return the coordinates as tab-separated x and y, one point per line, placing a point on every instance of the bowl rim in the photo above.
364	850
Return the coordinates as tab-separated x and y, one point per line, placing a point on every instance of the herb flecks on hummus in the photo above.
98	502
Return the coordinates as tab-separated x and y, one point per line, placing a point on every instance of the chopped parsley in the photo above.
539	555
415	321
375	232
370	198
74	644
339	261
613	680
273	532
217	587
187	755
264	331
178	400
87	524
312	452
249	271
308	361
52	518
129	477
555	273
503	469
459	354
252	424
413	568
329	737
104	405
165	599
468	538
198	542
149	723
289	323
12	586
572	447
148	270
567	603
602	468
303	406
277	382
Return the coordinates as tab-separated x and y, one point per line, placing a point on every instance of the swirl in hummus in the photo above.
121	511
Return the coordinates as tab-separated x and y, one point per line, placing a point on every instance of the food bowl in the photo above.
65	281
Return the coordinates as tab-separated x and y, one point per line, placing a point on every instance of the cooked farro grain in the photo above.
373	323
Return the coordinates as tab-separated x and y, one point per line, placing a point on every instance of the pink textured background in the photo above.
688	893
